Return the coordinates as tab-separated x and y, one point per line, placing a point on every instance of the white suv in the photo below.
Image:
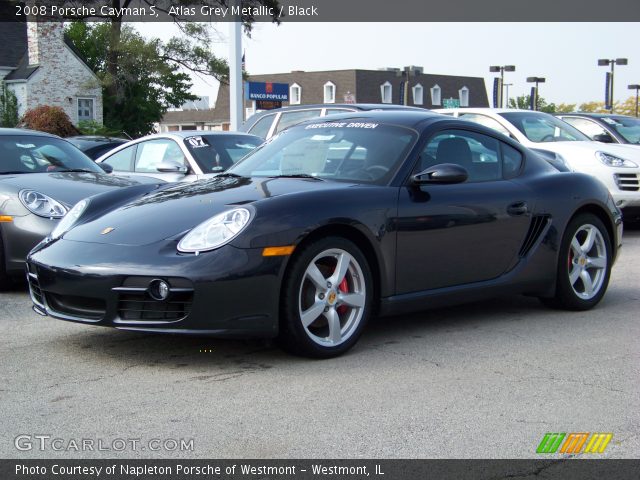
617	166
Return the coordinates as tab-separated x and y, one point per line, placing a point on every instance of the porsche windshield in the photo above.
542	127
356	151
35	154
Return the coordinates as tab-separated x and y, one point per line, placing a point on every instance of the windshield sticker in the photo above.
342	125
196	142
611	121
322	138
25	145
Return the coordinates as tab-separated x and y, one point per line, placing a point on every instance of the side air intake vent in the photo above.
537	226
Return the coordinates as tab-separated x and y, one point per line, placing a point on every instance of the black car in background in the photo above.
269	122
41	177
94	146
605	127
333	221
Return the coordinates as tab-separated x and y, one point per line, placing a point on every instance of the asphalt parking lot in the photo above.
486	380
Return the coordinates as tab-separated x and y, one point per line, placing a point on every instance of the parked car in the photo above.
617	166
299	243
180	156
41	177
94	146
605	127
267	123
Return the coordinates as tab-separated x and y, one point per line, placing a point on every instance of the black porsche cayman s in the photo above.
327	224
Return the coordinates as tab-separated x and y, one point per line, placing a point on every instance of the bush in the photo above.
49	119
91	127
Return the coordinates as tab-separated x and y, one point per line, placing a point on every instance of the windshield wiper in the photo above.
297	175
13	173
229	174
81	170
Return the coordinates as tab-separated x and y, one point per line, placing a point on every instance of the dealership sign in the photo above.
267	91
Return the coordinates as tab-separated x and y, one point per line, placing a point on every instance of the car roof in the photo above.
193	133
405	118
593	115
24	131
483	110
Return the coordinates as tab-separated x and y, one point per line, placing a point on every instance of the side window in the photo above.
588	127
291	118
153	152
511	161
484	120
262	126
122	160
477	153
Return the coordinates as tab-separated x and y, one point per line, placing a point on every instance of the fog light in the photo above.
158	289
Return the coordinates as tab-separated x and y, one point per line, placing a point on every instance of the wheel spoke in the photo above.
312	313
352	299
342	265
335	335
316	277
574	275
597	262
588	242
587	282
576	247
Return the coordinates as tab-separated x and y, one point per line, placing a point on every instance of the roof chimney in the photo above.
44	39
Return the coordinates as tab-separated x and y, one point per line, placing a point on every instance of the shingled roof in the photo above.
13	43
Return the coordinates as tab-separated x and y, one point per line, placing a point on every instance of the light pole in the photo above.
635	87
502	69
603	62
534	94
507	92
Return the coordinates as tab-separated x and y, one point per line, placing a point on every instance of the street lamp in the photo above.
534	93
502	69
603	62
635	87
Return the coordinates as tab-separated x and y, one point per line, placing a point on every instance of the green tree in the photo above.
8	107
110	46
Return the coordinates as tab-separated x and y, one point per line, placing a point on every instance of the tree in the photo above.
523	102
8	107
191	52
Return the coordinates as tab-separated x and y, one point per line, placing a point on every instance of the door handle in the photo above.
518	208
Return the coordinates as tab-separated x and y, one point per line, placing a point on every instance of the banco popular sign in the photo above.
267	91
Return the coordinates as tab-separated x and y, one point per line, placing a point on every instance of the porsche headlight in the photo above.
216	231
41	204
69	219
613	161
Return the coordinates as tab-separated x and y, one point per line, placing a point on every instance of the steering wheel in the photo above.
548	136
377	171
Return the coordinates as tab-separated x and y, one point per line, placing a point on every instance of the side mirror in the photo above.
106	167
603	137
442	173
171	166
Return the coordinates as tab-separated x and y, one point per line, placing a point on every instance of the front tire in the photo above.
5	280
584	264
326	299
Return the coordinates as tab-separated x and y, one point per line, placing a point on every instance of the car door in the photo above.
462	233
154	152
122	160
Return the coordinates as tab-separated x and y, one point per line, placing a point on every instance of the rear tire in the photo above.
584	265
326	299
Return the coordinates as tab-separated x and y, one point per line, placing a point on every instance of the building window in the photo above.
463	94
329	92
85	109
436	94
386	92
295	94
418	94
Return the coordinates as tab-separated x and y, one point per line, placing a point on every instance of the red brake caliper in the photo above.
344	288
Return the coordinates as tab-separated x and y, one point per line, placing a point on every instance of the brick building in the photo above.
424	90
43	67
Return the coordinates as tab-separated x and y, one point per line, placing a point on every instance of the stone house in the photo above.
43	67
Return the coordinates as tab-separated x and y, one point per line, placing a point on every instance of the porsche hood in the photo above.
172	210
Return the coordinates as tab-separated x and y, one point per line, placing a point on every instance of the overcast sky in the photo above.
565	53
